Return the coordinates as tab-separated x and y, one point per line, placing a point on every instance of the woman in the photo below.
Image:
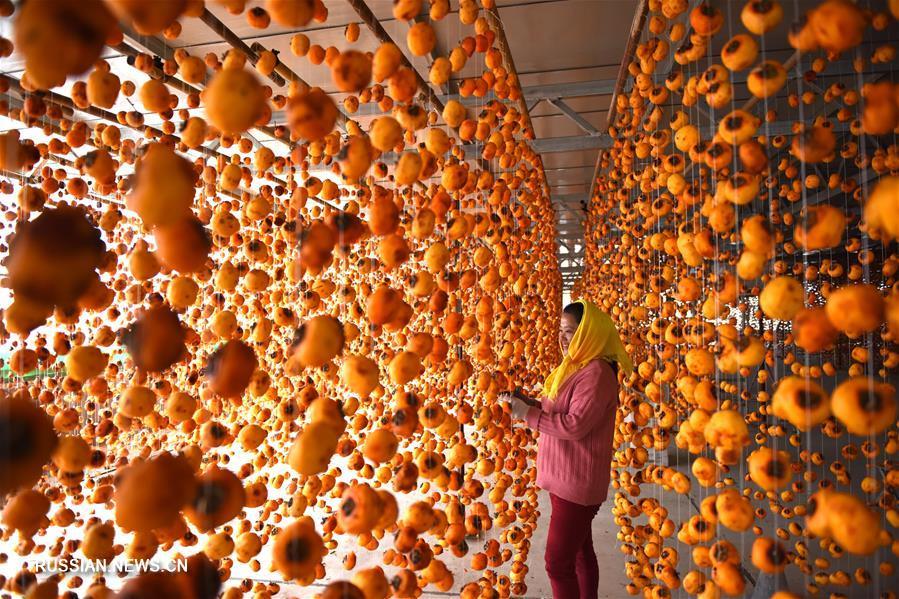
576	419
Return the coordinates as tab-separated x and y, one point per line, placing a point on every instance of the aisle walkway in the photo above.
611	562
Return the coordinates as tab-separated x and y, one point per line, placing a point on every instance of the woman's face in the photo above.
566	330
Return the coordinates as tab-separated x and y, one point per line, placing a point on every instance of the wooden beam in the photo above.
16	87
157	47
637	26
371	21
496	24
424	17
235	42
288	74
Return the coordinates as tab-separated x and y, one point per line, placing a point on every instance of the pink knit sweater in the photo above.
574	450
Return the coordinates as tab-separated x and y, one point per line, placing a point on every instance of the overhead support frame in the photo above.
547	145
572	114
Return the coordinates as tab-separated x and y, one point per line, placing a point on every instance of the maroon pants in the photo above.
570	560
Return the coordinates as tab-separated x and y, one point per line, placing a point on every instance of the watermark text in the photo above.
75	565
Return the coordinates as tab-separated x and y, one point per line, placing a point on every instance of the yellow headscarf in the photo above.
595	337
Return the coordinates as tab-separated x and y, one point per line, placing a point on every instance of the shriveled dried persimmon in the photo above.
789	272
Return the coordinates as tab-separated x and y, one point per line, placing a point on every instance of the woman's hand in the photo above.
518	405
517	394
519	408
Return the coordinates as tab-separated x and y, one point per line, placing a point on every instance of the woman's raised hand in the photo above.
518	405
519	408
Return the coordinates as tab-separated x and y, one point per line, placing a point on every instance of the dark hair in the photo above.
576	310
